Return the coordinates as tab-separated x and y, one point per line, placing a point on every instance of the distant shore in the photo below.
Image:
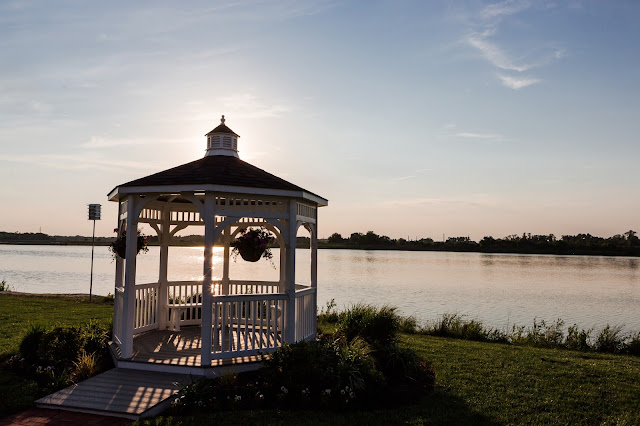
634	252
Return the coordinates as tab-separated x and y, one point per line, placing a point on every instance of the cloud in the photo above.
469	135
505	8
74	162
100	142
517	83
485	39
472	200
495	55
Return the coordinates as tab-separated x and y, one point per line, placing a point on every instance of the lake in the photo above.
498	289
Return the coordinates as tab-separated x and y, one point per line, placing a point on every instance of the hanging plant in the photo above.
119	246
252	244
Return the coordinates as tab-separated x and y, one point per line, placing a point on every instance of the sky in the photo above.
413	118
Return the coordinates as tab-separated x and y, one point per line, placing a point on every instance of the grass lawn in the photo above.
478	383
488	383
17	313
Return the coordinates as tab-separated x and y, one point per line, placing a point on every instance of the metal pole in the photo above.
92	246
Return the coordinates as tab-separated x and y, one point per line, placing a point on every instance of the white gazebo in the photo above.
197	326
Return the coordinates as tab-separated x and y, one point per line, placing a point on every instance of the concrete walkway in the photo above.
118	392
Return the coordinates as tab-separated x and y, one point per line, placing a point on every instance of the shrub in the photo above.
31	342
377	326
59	346
4	286
94	337
357	368
302	365
454	325
609	340
633	347
329	313
85	366
578	340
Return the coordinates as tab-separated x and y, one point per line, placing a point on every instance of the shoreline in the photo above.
324	246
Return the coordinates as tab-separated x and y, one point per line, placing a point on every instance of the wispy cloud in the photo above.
517	83
102	142
485	136
485	39
496	56
74	162
505	8
471	200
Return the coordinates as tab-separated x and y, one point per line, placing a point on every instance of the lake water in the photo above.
498	289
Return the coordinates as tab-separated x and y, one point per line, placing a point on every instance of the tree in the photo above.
335	238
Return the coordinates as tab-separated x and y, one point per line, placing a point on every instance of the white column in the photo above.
225	267
163	297
314	255
129	307
314	273
290	281
209	241
119	284
283	264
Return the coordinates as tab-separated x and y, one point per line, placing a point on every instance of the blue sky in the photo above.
414	118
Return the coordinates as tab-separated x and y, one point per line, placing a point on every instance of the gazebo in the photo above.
230	321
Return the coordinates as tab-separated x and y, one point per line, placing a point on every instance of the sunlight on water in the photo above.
498	289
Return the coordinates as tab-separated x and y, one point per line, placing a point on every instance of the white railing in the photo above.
305	313
188	294
118	306
244	325
253	287
146	312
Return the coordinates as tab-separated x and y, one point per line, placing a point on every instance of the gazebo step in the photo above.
119	393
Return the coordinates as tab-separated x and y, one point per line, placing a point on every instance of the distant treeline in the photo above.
626	244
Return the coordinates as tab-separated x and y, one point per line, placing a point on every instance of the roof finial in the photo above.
222	119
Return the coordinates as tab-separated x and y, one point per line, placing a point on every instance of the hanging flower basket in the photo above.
251	254
253	244
119	246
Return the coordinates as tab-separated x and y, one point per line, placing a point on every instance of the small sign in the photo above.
94	211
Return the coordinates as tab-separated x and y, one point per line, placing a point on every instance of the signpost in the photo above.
94	214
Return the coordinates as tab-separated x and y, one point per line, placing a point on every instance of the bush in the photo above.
454	325
31	342
633	347
578	340
85	366
377	326
60	346
94	337
302	365
609	340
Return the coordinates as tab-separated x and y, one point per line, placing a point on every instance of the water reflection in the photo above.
499	289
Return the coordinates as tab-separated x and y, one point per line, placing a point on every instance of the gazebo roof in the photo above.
222	128
218	172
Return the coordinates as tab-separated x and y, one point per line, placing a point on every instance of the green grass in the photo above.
488	383
17	312
477	383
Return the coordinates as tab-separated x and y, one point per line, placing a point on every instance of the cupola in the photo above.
222	141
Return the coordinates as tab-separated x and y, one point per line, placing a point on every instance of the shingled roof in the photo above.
216	170
222	128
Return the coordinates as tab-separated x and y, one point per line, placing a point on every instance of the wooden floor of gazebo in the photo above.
182	348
